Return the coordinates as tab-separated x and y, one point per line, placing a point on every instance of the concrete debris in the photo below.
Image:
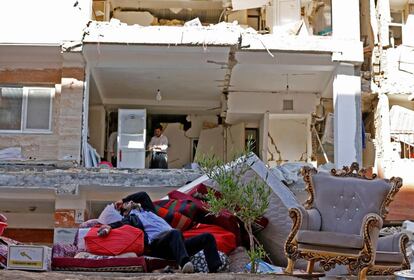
289	173
389	231
222	34
399	72
238	259
66	180
194	22
12	153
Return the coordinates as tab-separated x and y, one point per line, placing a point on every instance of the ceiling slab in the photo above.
189	78
260	72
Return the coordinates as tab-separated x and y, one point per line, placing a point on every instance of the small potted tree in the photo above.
248	200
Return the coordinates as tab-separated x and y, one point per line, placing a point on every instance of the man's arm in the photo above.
124	221
151	144
163	143
142	198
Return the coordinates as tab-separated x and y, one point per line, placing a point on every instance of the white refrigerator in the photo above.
131	138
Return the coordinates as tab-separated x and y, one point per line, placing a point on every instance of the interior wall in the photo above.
258	103
211	142
290	137
198	122
235	145
96	125
179	150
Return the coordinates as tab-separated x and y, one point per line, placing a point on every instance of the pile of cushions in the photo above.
186	212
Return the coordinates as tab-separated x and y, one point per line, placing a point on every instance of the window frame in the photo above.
23	122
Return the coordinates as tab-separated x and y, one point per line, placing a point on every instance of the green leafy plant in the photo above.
246	199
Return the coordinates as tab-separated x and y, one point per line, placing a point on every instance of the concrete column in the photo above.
345	19
264	131
347	110
71	107
70	211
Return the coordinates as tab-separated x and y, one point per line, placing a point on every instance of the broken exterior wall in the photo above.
63	142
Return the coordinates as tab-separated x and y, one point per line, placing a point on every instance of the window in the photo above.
26	109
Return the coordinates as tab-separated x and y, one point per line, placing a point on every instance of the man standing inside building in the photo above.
158	147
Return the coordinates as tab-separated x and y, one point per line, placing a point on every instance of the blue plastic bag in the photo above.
264	267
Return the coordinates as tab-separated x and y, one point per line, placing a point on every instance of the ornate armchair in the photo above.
341	219
391	255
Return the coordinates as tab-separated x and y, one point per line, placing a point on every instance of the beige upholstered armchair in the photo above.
341	219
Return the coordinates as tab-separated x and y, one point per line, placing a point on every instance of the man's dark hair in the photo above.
158	126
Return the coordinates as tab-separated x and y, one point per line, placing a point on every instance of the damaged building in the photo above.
387	30
285	73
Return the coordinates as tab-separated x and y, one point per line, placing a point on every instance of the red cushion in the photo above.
227	221
120	240
175	219
226	240
200	188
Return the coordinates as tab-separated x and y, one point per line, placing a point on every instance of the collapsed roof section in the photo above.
221	34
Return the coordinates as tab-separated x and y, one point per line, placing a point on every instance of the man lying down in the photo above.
163	240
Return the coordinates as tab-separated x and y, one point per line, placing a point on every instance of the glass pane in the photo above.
38	108
11	108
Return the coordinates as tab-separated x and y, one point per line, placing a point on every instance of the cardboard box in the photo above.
29	257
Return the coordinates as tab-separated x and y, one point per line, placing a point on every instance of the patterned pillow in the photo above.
64	250
200	263
185	207
86	255
175	219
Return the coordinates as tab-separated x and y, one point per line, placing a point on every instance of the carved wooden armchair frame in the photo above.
389	268
359	263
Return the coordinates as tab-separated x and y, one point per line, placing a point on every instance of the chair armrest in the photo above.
371	225
396	242
303	219
310	219
392	243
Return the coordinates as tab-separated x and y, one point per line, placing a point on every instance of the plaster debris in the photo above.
399	72
222	34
